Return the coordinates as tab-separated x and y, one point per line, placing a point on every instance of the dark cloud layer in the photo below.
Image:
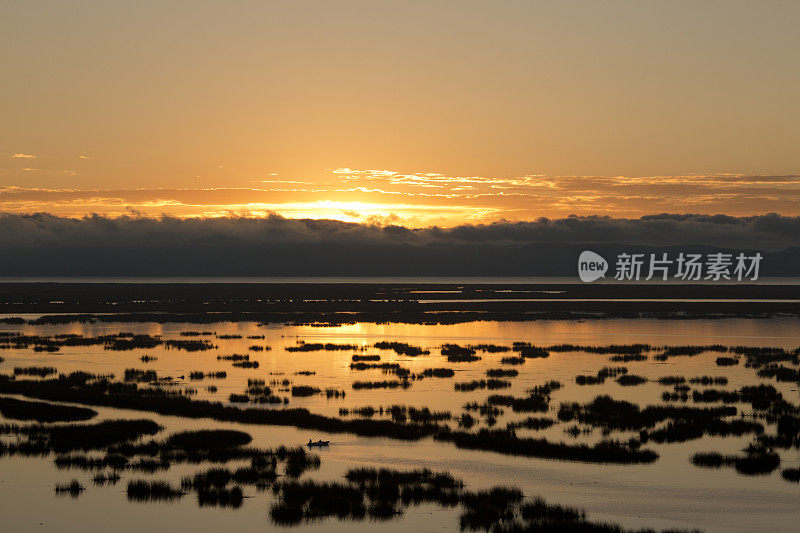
46	245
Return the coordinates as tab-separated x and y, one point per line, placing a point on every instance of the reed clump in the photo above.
43	411
38	371
151	491
401	348
73	488
502	373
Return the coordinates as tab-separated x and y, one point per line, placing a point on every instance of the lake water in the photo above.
668	493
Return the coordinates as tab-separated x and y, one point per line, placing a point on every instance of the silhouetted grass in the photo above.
687	351
368	366
709	380
318	347
456	353
531	422
129	397
438	372
305	390
245	364
148	491
545	389
43	412
491	384
208	439
234	357
490	348
671	380
602	375
755	461
401	348
758	356
675	396
507	442
791	474
628	358
357	357
40	371
111	478
73	488
502	373
621	349
390	384
528	351
532	403
780	373
628	380
716	395
86	462
384	494
189	345
139	376
199	374
219	497
685	430
612	414
589	380
64	438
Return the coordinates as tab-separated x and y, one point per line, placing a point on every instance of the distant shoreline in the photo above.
419	303
471	280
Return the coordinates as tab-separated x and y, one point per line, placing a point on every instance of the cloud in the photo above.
30	169
43	244
426	199
22	156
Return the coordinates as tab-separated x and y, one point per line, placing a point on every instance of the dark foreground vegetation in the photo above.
103	392
113	449
43	412
383	494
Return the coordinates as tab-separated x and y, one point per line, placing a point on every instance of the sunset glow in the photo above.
503	112
399	265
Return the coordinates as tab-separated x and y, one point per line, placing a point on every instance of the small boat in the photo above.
318	443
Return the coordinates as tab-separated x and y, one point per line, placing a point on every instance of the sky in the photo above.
416	112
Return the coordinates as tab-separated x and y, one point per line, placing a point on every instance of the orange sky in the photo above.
473	111
419	200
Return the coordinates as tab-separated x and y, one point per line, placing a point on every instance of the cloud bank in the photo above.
45	245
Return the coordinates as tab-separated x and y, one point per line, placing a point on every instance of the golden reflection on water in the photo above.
633	495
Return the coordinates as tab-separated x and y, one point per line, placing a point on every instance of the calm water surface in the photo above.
668	493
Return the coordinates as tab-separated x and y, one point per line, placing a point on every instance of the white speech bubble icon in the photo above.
591	266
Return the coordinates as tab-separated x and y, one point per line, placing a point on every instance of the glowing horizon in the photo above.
428	199
409	113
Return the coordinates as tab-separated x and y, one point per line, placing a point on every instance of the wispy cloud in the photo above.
426	198
19	155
